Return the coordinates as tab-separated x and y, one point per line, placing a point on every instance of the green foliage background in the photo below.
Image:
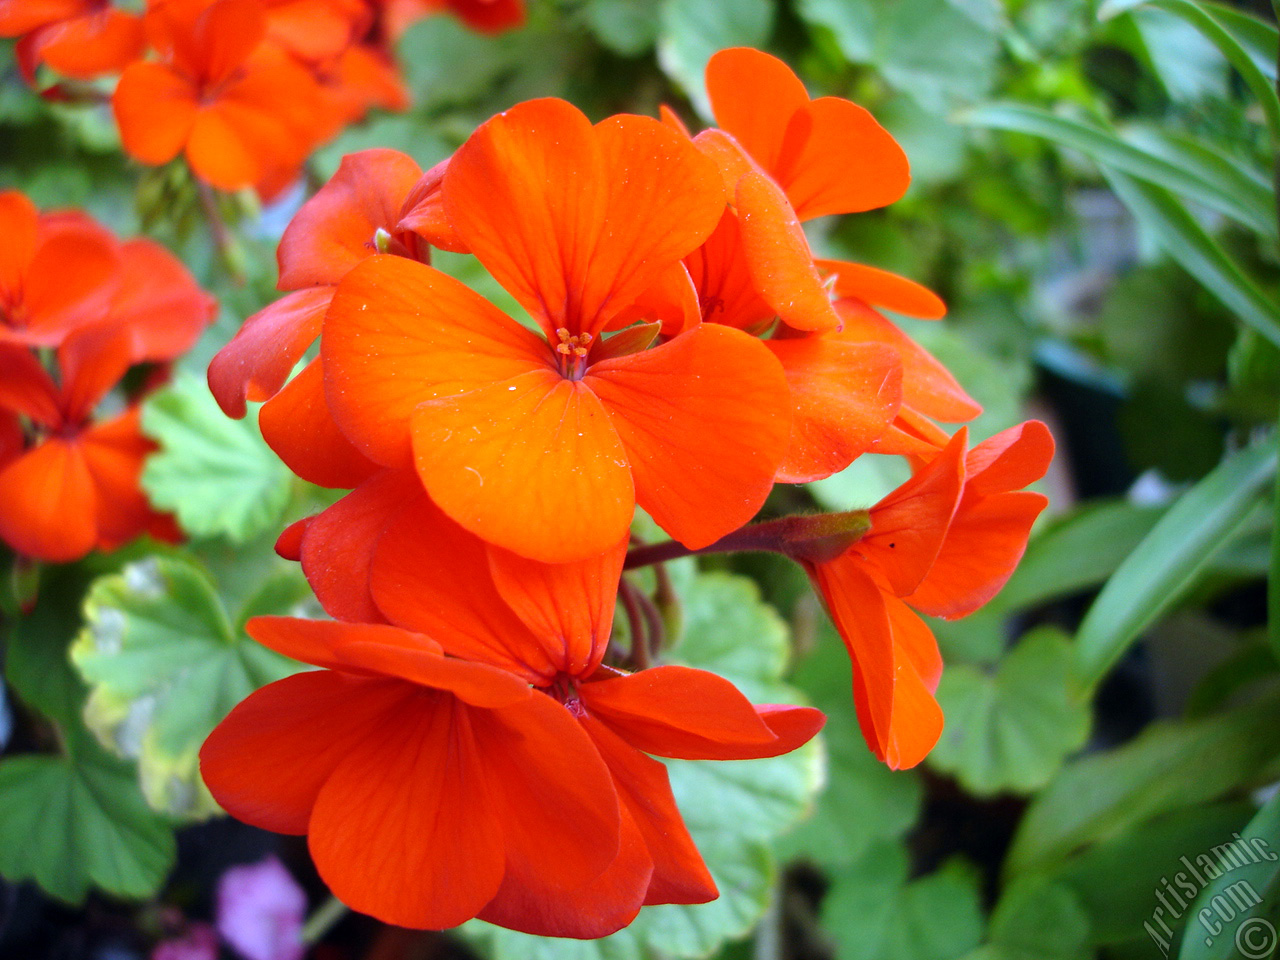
1093	196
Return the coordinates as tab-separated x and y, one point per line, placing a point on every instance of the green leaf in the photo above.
1208	19
692	30
861	484
732	808
887	802
1250	867
874	914
446	63
1116	880
165	665
35	662
1076	551
215	473
1038	920
1187	169
1010	730
1182	237
1227	172
902	39
1170	766
76	821
628	27
1170	558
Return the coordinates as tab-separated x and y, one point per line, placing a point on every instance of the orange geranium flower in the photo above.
375	200
387	552
942	543
81	39
243	111
786	158
544	446
54	272
425	784
75	488
61	273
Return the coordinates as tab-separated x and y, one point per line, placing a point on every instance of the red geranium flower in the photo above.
75	488
943	543
514	434
54	272
81	39
243	111
385	551
374	194
423	782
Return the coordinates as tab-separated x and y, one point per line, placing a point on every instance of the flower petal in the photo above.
679	874
18	219
880	288
26	387
568	606
909	525
779	257
927	386
837	159
857	607
266	761
1010	460
400	333
705	420
983	546
69	280
754	95
224	34
561	817
335	229
429	574
375	649
845	396
722	276
48	506
338	546
407	827
674	711
155	110
158	301
115	452
531	464
577	221
89	46
602	906
297	425
259	358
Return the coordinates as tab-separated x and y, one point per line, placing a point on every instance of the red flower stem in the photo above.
636	623
657	633
758	537
810	537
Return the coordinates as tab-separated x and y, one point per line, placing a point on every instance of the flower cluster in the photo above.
244	89
476	744
78	308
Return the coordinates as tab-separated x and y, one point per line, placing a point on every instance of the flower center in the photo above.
571	353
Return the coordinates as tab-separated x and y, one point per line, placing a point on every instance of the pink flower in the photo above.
260	911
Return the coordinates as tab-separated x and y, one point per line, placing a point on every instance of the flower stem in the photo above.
322	920
639	655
